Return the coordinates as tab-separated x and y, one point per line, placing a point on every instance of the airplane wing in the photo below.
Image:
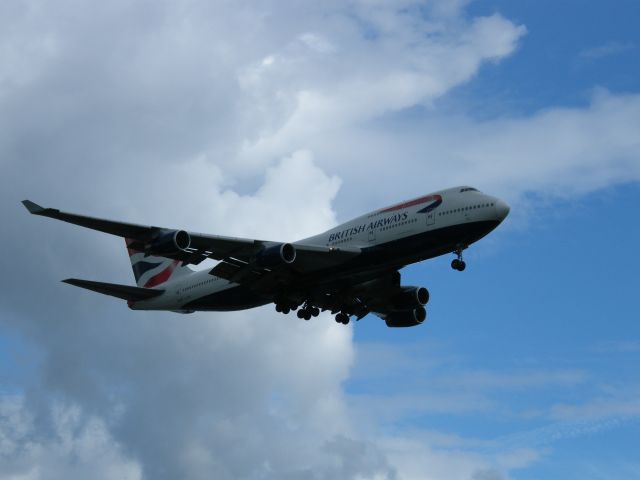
201	246
237	254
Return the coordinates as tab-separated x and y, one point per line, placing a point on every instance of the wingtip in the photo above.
33	207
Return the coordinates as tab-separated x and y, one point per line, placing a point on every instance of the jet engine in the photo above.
409	318
170	242
269	257
411	297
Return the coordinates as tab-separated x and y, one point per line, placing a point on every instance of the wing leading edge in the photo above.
201	246
237	254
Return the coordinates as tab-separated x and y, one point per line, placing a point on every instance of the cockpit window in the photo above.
468	189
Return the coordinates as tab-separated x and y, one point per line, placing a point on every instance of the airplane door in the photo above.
431	218
372	235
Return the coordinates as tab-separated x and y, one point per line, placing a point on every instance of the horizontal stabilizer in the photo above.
33	207
125	292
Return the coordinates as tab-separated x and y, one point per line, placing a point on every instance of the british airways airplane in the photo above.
351	270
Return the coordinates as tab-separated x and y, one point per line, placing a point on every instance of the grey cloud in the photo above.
74	447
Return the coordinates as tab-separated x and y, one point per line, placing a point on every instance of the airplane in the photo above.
350	270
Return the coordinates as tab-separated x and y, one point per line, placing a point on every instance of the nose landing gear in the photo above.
458	263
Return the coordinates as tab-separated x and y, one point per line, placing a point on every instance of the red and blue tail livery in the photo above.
151	271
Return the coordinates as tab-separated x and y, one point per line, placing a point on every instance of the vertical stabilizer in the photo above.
151	271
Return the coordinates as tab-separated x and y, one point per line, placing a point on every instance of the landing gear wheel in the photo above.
278	307
307	315
458	265
315	311
286	310
300	314
342	318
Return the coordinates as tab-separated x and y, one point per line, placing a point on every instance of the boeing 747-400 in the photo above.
350	270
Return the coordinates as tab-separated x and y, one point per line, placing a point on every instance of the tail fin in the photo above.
151	271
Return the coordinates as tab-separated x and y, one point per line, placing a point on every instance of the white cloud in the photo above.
605	50
604	408
404	64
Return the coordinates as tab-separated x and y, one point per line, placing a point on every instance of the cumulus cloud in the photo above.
396	63
240	118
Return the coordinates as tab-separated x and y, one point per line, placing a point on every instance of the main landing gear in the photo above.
458	263
285	307
308	311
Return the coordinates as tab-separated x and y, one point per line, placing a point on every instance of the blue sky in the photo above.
279	119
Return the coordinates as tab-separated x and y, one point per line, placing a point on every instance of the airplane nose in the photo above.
502	209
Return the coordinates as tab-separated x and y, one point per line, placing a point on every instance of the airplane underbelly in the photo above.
230	299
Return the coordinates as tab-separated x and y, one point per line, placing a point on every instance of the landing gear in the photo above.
458	264
308	311
285	307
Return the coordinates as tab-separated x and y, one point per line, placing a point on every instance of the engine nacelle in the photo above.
170	242
409	318
411	297
276	255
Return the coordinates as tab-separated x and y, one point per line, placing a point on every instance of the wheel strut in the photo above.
458	263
